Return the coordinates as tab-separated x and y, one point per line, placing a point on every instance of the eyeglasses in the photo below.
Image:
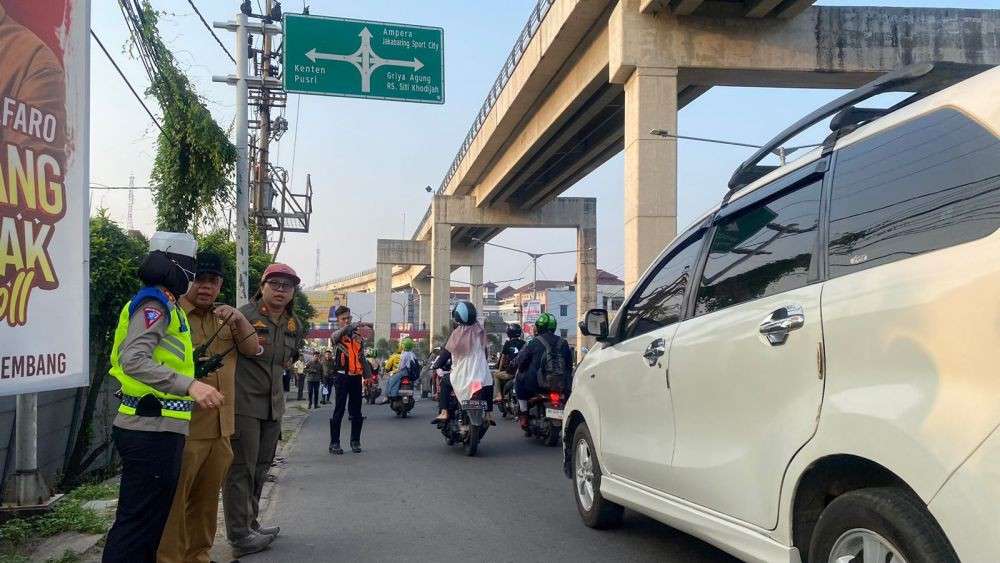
279	285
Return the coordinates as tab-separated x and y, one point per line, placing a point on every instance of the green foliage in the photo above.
94	491
382	348
68	516
194	157
115	256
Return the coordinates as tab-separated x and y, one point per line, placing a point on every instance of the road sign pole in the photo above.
242	165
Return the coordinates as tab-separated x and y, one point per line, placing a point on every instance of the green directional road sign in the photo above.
363	59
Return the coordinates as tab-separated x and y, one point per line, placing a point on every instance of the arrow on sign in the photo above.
364	59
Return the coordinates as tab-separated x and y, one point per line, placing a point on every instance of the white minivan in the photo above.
811	371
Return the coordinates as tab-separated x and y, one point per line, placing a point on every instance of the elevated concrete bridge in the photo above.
590	78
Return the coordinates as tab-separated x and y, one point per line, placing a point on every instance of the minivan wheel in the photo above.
885	524
596	511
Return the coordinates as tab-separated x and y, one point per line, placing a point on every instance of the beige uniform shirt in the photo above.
259	393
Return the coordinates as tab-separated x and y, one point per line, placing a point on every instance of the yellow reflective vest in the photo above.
175	351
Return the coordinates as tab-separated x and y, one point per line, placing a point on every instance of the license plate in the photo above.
406	392
554	413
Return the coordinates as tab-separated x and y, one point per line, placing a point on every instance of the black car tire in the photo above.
893	513
603	514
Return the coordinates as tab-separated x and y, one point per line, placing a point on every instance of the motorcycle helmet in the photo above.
370	353
514	330
545	323
464	313
407	344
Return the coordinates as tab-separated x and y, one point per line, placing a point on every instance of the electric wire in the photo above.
127	83
212	31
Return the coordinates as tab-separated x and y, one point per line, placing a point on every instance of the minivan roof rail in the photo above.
922	79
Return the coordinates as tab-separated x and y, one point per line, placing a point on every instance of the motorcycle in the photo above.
466	423
370	389
508	400
545	414
403	404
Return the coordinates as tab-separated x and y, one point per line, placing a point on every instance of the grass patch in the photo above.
68	516
98	491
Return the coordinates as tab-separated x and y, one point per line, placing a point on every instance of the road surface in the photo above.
409	497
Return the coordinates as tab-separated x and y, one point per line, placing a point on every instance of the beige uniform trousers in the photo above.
190	530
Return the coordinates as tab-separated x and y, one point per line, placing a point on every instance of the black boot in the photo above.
356	424
335	438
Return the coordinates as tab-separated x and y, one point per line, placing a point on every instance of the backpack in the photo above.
413	371
553	368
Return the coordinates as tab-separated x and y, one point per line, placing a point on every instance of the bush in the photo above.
68	516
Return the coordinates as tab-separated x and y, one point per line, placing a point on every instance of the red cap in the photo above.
278	269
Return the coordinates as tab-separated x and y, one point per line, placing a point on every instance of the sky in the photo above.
370	160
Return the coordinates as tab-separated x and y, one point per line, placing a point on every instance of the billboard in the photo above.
44	209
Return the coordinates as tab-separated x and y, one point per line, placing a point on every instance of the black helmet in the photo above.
514	330
464	313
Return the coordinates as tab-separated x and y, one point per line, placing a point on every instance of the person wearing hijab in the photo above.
467	350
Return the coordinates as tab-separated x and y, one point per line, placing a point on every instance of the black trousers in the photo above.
151	465
485	394
348	393
313	392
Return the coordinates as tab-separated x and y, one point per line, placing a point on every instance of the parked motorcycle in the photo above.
466	423
403	404
545	414
370	389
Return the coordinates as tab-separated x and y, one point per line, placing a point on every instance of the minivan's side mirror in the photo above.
595	323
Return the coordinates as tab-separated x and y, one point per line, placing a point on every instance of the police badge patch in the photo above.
151	315
292	326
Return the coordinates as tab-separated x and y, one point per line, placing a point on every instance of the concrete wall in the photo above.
56	412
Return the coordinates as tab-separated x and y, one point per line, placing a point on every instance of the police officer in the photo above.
153	359
260	404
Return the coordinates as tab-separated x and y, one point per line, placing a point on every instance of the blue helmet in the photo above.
464	313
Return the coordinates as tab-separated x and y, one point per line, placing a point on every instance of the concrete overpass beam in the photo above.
383	301
650	167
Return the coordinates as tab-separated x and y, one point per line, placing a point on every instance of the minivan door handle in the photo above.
776	326
655	351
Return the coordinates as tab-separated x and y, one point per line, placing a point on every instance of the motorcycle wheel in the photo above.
552	435
472	445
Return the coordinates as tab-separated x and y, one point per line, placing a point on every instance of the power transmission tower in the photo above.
131	201
316	281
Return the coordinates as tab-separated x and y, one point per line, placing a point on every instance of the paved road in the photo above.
409	497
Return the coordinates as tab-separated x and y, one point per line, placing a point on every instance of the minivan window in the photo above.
661	302
927	184
765	249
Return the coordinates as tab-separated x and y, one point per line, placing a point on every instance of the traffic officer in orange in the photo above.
260	404
218	333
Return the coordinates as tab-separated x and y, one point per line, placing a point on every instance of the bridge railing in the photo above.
538	14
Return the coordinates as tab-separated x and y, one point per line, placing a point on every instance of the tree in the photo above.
382	348
194	157
115	256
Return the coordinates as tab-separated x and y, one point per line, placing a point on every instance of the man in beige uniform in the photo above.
260	402
219	331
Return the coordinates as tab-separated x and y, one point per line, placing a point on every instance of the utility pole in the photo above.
262	193
316	278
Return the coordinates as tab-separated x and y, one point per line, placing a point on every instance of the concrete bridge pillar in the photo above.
586	280
650	167
476	289
383	301
440	326
423	288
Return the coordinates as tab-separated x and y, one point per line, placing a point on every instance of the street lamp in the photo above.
781	152
534	260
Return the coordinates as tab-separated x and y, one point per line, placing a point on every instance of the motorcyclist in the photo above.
406	360
466	352
505	367
531	379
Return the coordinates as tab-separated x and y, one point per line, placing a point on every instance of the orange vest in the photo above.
353	353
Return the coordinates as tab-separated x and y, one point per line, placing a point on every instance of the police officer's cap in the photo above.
210	263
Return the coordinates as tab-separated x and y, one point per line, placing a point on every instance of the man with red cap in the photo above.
260	404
